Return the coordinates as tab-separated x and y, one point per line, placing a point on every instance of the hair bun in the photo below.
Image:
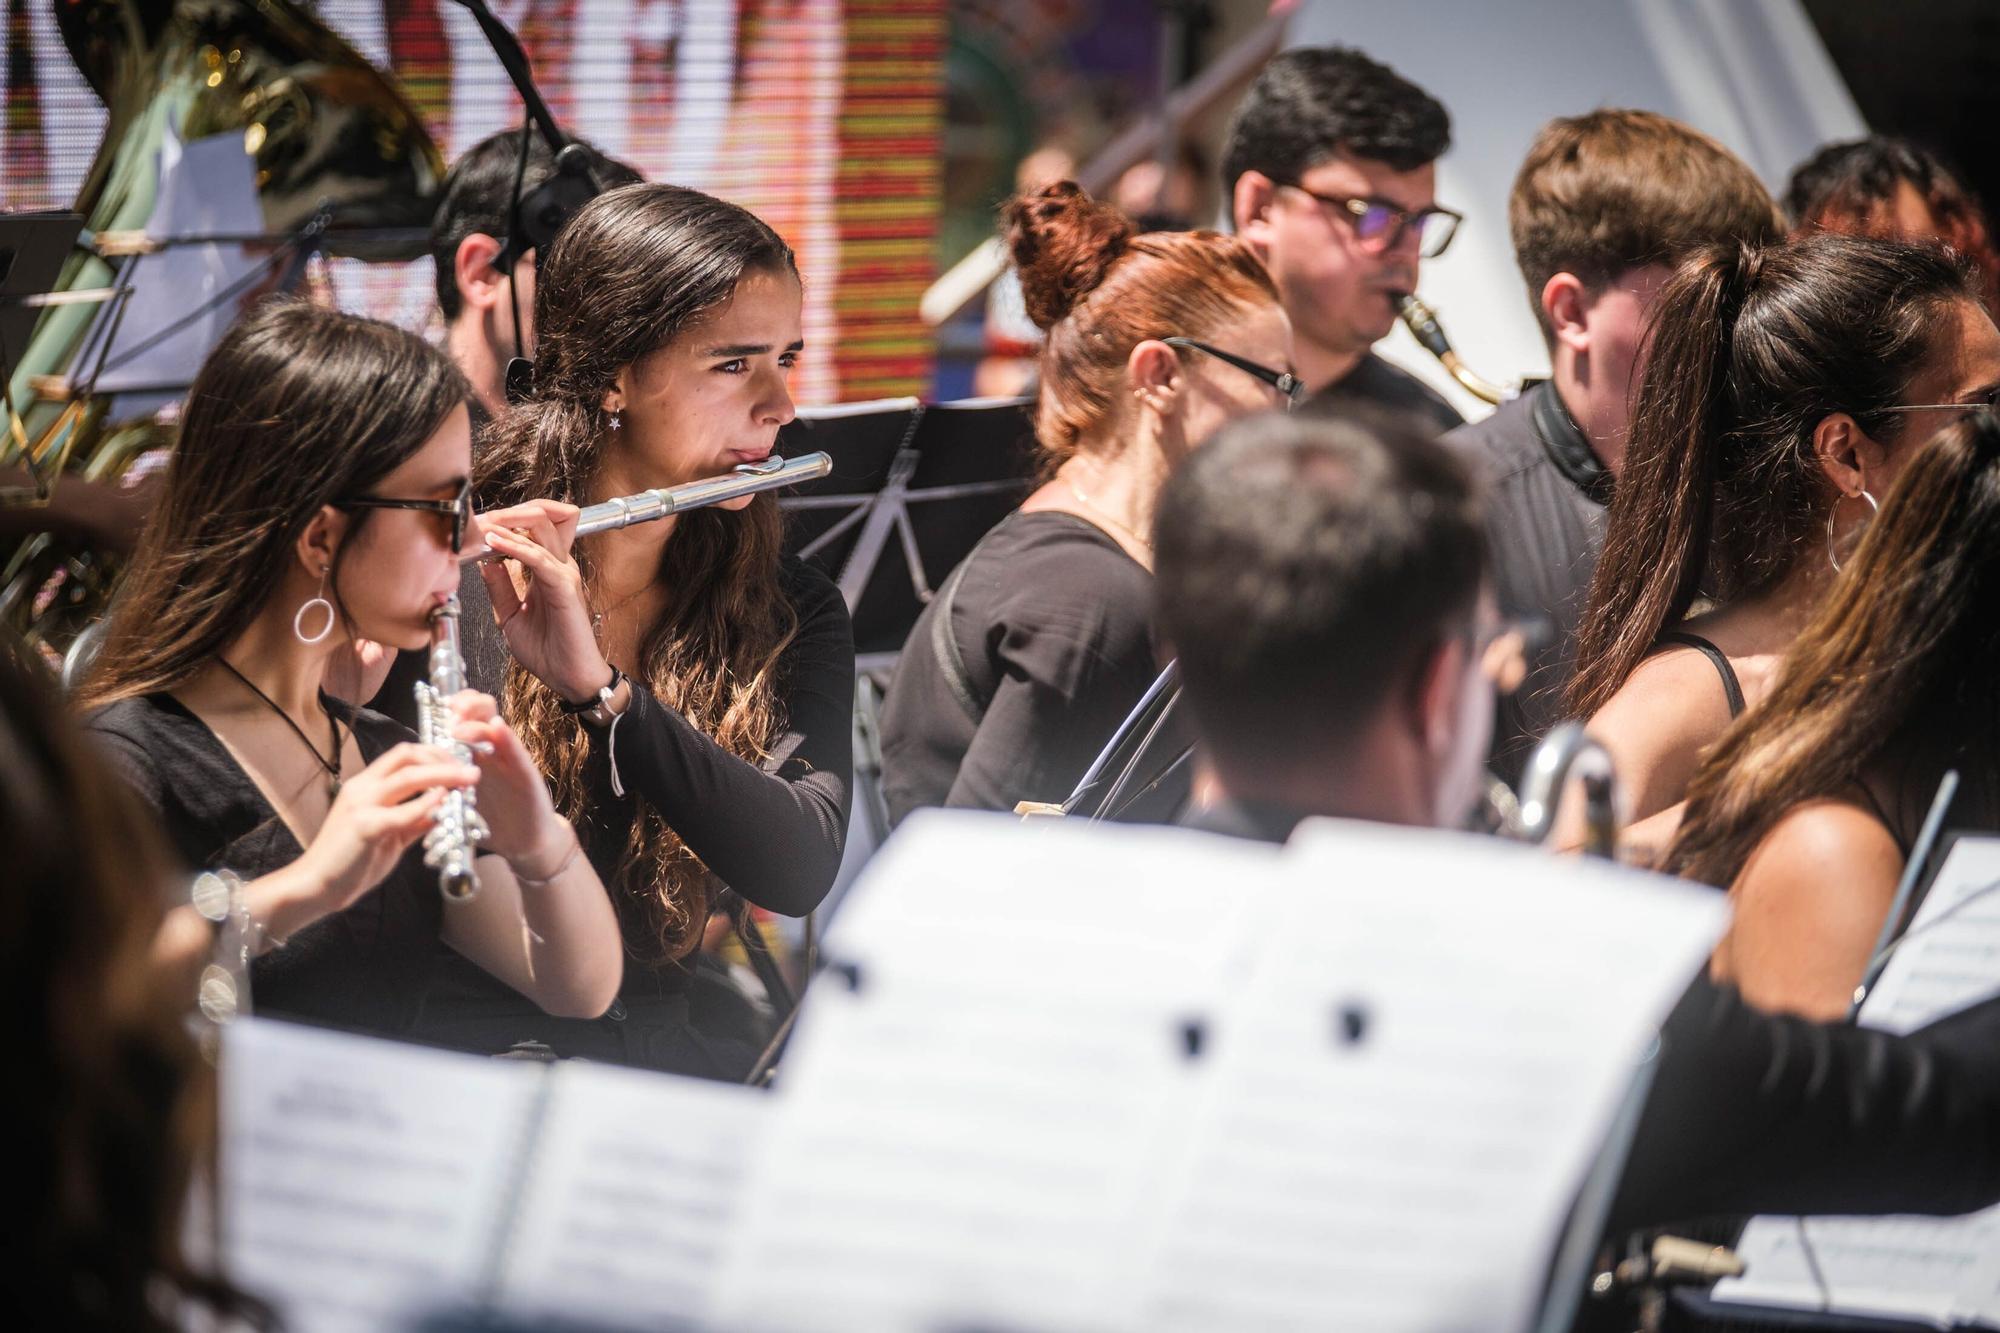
1063	243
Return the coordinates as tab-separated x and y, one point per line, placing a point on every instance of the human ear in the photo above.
1250	203
476	273
320	542
1154	372
1566	305
1847	454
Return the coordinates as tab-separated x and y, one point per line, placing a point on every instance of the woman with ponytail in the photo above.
1781	391
687	688
1040	642
1807	808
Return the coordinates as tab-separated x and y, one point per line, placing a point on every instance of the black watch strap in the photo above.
595	699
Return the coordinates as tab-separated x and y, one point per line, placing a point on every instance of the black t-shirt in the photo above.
1379	385
366	968
1051	622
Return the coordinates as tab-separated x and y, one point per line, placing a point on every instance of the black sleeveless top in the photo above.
366	968
1731	687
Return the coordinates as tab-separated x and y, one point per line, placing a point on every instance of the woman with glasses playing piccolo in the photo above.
1040	642
316	497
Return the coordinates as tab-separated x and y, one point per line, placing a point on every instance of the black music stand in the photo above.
913	489
32	249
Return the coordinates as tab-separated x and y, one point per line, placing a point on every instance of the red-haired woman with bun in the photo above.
1040	642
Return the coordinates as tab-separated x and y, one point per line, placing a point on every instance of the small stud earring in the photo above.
617	422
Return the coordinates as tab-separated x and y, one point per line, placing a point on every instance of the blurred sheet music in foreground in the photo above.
1057	1076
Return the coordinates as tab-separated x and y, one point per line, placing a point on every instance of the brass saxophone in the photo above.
1422	321
457	826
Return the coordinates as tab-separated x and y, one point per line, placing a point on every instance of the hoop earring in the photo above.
1873	509
299	617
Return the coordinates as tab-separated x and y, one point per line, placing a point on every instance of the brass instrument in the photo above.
1422	321
325	129
1569	750
457	826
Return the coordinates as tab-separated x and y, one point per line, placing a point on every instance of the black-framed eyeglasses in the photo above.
1286	383
1382	224
458	507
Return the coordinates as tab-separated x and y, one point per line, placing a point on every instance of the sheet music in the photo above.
1165	1132
1942	1271
362	1180
984	1086
636	1182
1415	1082
1949	957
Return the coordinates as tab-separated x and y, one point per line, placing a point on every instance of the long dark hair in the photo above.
1892	680
633	271
1749	350
297	407
121	1111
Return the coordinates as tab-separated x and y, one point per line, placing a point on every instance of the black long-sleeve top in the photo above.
773	832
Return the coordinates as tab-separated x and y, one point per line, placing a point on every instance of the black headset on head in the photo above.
533	218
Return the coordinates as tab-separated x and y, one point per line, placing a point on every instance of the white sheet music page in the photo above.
361	1179
637	1181
1945	1271
987	1079
1415	1080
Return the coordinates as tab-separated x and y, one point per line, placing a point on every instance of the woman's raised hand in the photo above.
521	819
538	597
379	812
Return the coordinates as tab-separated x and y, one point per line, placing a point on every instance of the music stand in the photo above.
913	489
33	247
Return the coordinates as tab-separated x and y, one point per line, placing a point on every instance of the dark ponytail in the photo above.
1749	350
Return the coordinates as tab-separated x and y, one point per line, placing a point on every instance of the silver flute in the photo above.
457	828
771	474
768	475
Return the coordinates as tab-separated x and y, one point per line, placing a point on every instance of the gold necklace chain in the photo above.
1105	514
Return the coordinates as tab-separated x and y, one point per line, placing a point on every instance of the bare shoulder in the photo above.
1823	848
1809	904
1658	724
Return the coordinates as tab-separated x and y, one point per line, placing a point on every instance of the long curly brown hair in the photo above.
633	271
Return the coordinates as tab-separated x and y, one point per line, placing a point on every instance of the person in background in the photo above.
1324	583
1807	809
1039	643
1602	209
481	289
1897	190
1782	392
1329	175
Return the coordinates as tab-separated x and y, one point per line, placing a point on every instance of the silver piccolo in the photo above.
457	828
768	475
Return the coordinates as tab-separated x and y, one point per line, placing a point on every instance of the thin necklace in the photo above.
333	769
597	617
1105	514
